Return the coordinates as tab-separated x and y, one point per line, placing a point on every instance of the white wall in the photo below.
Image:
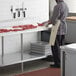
71	4
37	12
37	9
52	4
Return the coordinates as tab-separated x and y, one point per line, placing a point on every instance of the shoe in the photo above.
55	66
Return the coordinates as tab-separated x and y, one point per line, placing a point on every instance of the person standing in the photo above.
60	12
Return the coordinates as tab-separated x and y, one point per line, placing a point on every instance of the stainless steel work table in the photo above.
19	57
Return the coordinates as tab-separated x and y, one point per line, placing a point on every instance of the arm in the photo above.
56	14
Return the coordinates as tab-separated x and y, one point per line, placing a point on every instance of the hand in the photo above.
47	23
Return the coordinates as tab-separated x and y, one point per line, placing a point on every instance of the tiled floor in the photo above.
43	72
28	67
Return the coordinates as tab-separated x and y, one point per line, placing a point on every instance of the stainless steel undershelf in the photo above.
15	58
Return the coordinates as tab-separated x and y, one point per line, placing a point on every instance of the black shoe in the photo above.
55	66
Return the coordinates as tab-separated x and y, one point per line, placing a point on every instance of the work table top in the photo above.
72	18
39	28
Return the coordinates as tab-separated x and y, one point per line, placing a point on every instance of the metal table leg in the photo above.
39	36
22	67
2	50
22	51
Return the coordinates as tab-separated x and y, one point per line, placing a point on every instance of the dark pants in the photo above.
56	48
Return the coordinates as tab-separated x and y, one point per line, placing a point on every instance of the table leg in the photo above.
2	50
22	51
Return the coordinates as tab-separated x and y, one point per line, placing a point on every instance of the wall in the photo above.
71	4
37	12
34	9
